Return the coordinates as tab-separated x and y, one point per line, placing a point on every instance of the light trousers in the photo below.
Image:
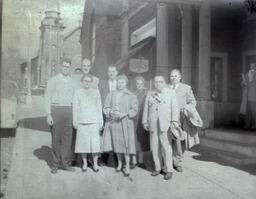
161	150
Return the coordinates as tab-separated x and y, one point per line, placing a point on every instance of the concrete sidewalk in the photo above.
30	178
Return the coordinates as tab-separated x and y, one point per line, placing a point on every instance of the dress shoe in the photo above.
132	166
83	169
102	164
118	170
70	169
155	173
178	168
95	170
168	176
126	173
54	170
142	165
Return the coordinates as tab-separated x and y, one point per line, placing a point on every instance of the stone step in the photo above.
228	146
231	157
231	135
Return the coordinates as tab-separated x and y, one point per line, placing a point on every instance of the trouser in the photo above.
251	114
178	151
161	149
106	156
179	146
62	136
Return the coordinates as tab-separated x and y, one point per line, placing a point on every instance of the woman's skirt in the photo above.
88	139
123	139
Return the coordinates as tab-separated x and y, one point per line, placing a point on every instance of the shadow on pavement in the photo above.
36	123
44	153
206	155
7	132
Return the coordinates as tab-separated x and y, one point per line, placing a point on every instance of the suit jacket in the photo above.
162	107
191	118
185	95
104	89
252	89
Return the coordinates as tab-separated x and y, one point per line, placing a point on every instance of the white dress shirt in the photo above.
112	84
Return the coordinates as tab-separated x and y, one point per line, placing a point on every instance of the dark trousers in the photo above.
251	114
62	136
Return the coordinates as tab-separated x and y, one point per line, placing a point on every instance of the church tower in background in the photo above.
51	42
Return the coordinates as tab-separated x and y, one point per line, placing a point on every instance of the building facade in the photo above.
211	42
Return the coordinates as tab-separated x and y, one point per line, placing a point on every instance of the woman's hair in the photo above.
122	77
86	76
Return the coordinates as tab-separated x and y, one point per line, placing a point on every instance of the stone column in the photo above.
162	40
204	51
186	43
205	106
125	27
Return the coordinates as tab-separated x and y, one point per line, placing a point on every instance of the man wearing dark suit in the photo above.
106	86
187	102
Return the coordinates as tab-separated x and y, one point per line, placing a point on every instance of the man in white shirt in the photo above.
58	103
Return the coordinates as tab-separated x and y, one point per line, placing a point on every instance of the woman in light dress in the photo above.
88	120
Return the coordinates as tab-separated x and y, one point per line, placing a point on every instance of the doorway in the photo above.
219	83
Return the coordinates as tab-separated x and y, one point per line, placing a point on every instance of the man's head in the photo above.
112	72
140	82
122	81
253	67
65	66
86	81
159	82
86	66
175	76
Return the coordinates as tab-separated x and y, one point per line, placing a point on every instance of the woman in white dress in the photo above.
88	120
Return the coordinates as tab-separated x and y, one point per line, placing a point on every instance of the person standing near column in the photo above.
105	87
161	111
249	83
58	102
187	102
88	120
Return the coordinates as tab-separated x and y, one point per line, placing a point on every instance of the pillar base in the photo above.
206	111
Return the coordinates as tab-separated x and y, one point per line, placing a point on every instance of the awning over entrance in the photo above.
132	50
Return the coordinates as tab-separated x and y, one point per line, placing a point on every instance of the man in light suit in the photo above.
161	111
106	86
187	102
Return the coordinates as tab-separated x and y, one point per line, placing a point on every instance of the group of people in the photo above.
108	117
